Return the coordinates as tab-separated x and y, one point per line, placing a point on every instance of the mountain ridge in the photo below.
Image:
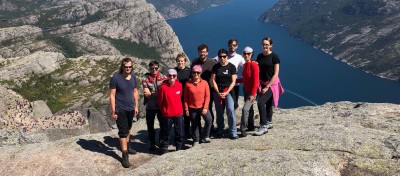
364	34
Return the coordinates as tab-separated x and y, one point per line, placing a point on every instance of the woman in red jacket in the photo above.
169	101
250	75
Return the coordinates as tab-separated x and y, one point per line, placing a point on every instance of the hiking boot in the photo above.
207	140
164	151
152	147
243	131
131	150
262	130
125	160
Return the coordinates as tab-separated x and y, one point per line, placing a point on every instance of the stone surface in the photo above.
40	109
341	138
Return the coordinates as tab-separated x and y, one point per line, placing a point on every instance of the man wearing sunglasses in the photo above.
151	84
169	101
124	99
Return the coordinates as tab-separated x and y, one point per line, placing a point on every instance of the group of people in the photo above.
185	95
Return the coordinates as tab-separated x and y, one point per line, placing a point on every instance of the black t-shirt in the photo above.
223	74
266	65
124	91
183	75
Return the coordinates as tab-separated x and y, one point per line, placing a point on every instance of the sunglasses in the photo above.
172	76
224	56
153	68
246	53
232	45
196	73
128	67
265	44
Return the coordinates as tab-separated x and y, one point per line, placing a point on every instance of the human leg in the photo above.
230	112
220	108
178	128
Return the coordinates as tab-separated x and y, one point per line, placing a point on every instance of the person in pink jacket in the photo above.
169	101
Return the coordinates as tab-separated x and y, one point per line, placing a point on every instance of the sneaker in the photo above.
262	130
125	160
234	137
219	135
164	151
131	151
207	140
195	144
243	131
269	125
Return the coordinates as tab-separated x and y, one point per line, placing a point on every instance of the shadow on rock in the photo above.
99	147
138	142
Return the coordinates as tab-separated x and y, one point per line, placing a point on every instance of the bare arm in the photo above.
136	98
112	103
214	84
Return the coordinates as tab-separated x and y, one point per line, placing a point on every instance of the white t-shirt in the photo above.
235	59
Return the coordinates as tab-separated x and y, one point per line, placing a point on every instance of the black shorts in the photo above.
124	122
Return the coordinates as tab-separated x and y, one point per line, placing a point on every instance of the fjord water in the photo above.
309	76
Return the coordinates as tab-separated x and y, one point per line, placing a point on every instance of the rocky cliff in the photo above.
364	34
93	27
341	138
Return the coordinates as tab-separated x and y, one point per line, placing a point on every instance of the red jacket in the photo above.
169	99
250	74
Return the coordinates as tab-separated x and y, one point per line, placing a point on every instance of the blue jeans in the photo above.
247	120
228	103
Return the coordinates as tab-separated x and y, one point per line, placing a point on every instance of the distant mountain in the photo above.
181	8
63	51
362	33
90	27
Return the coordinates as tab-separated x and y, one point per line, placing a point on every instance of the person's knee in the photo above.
123	133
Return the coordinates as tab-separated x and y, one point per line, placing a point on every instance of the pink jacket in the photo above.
276	89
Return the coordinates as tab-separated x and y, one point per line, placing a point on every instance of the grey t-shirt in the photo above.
124	91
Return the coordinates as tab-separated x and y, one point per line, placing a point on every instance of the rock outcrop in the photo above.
341	138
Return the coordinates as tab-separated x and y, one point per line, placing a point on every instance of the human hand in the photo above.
251	98
114	116
204	112
265	89
187	113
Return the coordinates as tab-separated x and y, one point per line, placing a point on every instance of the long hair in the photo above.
123	62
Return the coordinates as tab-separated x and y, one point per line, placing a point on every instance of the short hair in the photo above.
154	63
202	46
181	55
123	62
221	51
267	39
233	40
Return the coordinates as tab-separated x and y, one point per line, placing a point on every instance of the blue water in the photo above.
310	76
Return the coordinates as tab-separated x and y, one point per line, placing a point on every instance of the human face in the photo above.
247	56
266	46
128	67
232	47
223	58
203	54
154	69
196	74
171	78
181	62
